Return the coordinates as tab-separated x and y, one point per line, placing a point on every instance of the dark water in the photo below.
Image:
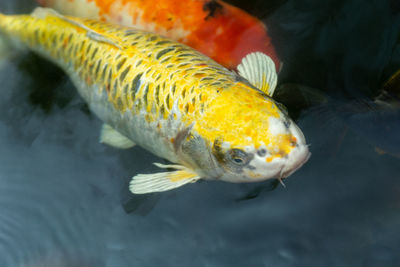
64	197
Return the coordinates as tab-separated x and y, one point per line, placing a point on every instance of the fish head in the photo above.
252	138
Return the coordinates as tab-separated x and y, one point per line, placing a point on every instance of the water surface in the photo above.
64	197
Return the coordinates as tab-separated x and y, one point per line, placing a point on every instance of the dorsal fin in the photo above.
41	13
260	71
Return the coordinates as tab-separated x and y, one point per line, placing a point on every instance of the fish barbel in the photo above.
217	29
171	100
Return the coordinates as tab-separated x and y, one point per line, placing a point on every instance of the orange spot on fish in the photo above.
148	118
293	141
203	98
248	131
269	159
65	43
199	75
191	108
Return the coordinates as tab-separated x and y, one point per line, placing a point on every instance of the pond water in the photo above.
64	197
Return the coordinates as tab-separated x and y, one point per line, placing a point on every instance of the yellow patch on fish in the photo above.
250	117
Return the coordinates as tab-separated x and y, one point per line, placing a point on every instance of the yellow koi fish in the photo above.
171	100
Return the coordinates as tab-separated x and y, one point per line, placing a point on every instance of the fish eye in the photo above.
262	152
238	156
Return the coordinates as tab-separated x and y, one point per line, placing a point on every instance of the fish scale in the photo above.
132	76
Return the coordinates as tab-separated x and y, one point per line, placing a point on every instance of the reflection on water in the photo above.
64	197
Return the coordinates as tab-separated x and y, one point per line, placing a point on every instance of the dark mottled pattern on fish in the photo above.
131	73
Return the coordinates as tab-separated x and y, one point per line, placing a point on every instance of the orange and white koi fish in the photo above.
217	29
171	100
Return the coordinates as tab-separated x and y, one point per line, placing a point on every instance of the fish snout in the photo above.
296	159
298	155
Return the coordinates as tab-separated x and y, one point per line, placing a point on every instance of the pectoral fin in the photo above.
162	181
113	138
259	70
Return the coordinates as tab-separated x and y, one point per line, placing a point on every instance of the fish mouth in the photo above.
289	170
